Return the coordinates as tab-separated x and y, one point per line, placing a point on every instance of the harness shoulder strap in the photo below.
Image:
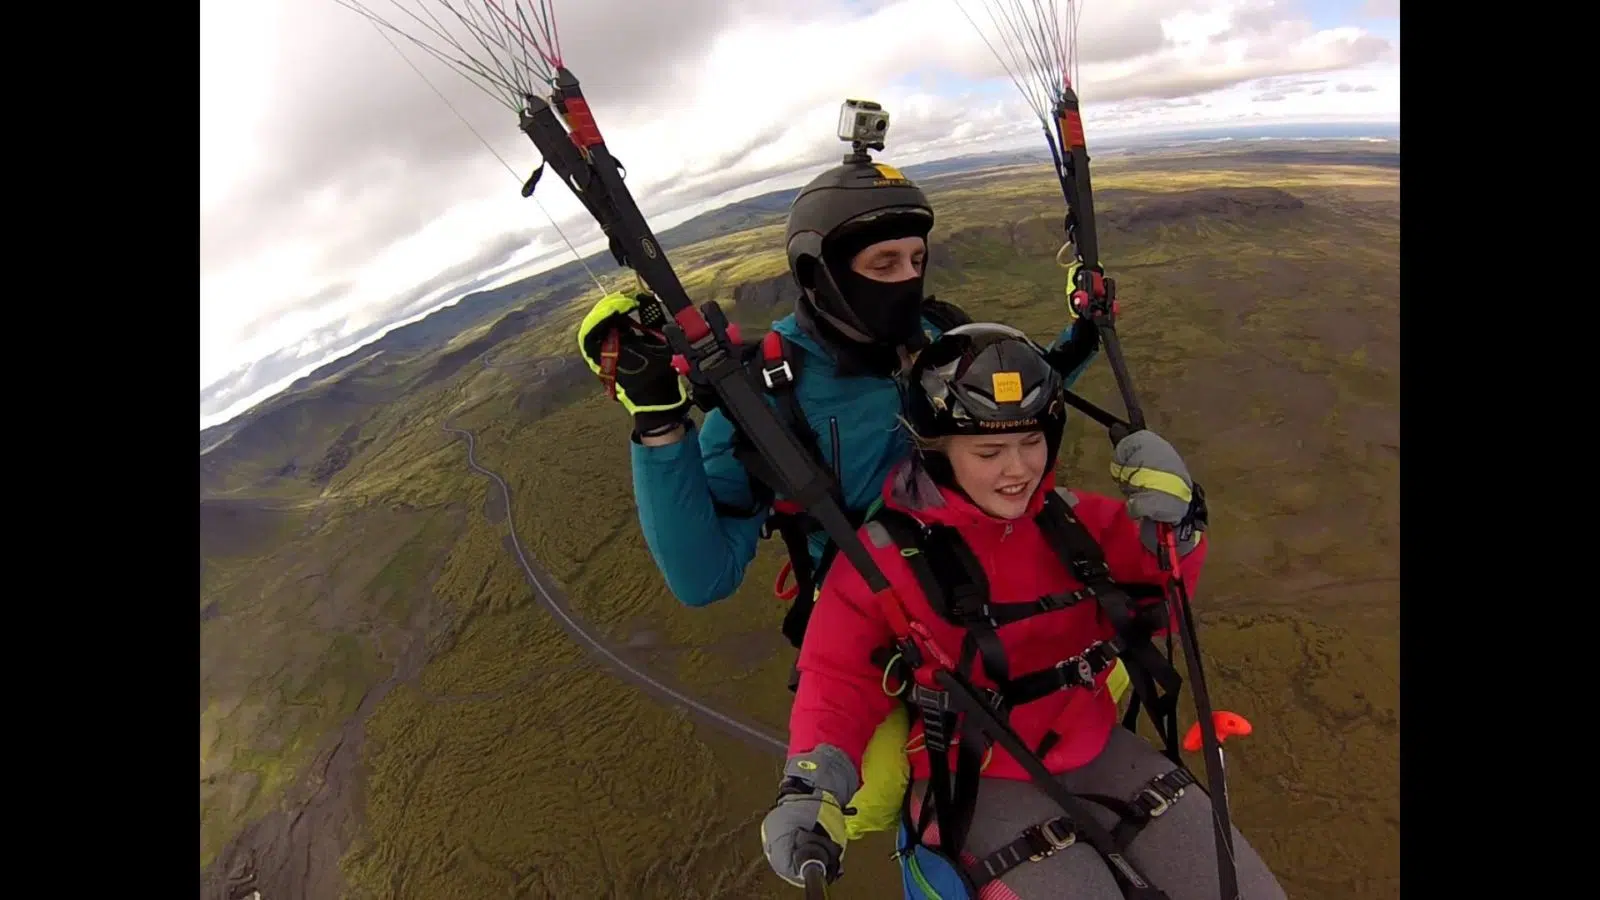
951	579
759	475
778	372
775	368
1082	555
905	532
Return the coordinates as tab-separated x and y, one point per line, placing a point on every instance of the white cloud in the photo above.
234	88
334	180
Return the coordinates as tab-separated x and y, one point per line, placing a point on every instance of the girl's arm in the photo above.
840	698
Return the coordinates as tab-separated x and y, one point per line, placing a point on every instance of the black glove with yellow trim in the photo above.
808	821
634	362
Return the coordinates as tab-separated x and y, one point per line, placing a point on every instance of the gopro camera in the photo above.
864	123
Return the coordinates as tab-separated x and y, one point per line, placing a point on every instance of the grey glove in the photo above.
808	820
1153	477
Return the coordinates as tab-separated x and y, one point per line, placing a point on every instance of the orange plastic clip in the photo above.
1228	724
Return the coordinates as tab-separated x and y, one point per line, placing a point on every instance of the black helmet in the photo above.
842	211
985	378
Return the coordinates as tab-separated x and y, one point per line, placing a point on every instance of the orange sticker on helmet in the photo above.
1007	387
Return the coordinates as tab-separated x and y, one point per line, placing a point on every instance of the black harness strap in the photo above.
1050	837
791	523
1075	671
1036	842
998	614
778	381
939	723
1155	799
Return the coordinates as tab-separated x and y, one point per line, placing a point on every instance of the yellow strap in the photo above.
1151	479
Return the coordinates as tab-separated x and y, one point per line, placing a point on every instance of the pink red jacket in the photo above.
840	699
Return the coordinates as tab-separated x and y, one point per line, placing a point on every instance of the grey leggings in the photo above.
1176	851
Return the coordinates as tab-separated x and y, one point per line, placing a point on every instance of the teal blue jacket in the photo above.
703	556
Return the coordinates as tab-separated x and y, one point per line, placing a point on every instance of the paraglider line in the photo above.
490	147
526	39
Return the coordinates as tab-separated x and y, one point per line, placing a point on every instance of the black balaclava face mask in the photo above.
890	310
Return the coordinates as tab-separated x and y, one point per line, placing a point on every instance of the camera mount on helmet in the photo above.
864	124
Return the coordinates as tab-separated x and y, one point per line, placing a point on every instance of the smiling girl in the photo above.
986	412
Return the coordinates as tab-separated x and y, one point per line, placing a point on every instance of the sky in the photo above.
344	192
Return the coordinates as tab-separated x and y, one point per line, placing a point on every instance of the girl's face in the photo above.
999	472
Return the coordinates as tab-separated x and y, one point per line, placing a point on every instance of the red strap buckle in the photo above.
772	346
681	365
777	371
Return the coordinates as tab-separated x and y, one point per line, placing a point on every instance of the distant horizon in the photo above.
1378	130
